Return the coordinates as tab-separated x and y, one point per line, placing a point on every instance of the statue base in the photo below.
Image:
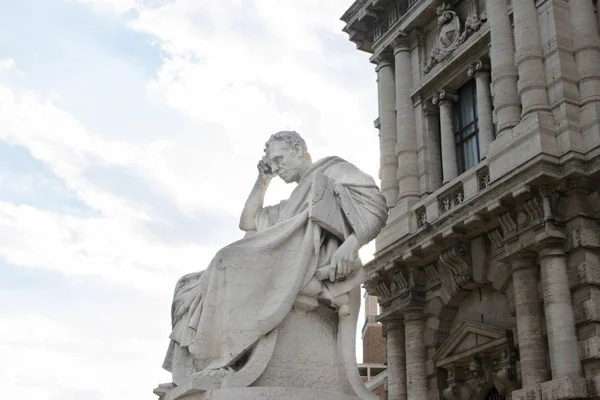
271	393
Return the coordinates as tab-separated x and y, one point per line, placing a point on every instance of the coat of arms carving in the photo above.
450	34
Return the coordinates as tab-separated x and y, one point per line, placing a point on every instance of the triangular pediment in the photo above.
468	336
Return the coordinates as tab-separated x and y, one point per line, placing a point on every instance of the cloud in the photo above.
129	136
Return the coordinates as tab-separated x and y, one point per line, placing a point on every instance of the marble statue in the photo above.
275	313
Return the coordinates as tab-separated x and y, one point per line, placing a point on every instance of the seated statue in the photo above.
286	297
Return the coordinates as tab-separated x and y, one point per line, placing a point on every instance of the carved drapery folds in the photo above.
451	34
456	268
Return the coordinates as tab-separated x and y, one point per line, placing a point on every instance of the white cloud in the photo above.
235	71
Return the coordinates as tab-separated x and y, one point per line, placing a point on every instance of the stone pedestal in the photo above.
268	393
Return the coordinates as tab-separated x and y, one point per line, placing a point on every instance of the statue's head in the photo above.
287	155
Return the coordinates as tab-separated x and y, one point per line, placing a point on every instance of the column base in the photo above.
569	387
271	393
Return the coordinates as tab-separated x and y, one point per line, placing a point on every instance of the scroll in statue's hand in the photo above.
343	258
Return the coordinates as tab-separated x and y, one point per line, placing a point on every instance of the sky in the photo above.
129	136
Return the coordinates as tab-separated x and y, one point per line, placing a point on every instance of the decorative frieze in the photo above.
483	177
451	199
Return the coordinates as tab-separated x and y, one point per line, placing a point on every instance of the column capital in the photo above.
480	66
413	314
552	249
401	43
444	95
523	259
393	323
382	59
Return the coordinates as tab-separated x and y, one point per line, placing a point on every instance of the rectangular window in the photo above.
466	127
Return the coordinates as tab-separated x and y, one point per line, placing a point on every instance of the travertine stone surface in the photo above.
586	49
387	129
446	101
406	148
532	349
431	174
504	72
305	354
560	322
529	58
416	356
480	70
275	393
396	360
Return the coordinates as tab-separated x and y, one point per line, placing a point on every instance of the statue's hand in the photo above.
343	258
264	171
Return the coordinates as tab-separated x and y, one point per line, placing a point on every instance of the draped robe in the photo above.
250	285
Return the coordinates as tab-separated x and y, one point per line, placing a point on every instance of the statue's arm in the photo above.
256	199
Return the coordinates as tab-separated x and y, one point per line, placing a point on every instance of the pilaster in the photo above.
529	58
507	104
586	50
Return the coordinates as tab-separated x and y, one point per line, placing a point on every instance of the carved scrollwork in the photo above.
495	237
432	272
399	283
456	267
452	393
508	224
506	380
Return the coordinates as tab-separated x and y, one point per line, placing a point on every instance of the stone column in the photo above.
560	322
387	130
504	72
396	359
586	49
481	71
445	100
529	319
416	356
406	149
432	130
529	58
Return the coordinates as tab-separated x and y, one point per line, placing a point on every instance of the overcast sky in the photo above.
129	136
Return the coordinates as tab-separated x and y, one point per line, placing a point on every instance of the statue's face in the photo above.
285	162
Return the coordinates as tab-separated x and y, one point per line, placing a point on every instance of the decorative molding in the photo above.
444	95
398	284
508	225
451	199
483	177
495	237
481	65
455	267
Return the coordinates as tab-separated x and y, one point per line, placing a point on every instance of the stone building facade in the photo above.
488	271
